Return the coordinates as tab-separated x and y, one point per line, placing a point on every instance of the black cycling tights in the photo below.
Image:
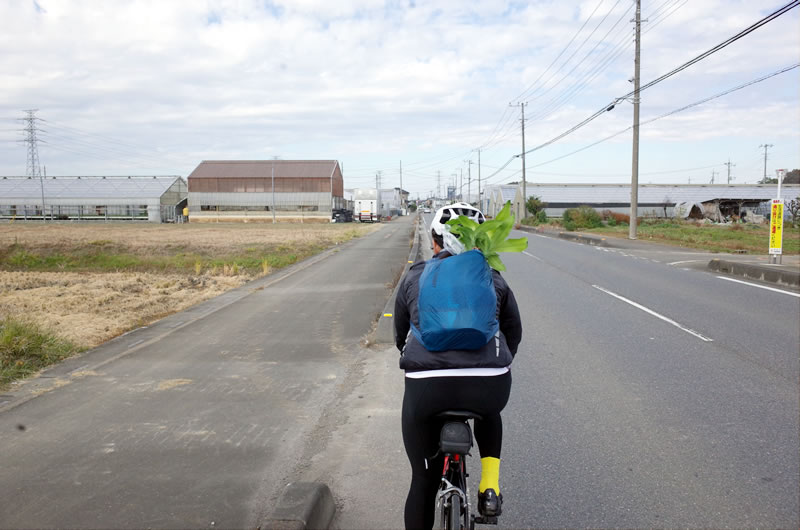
423	399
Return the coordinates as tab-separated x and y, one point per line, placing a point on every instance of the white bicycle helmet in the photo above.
451	211
441	233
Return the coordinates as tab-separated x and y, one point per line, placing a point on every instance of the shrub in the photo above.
534	205
581	217
541	216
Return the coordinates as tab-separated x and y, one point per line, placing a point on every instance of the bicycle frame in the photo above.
454	482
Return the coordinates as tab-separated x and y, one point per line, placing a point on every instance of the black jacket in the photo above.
496	353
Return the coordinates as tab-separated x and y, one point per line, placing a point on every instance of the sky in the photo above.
412	89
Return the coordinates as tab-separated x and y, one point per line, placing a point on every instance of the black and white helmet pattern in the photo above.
452	211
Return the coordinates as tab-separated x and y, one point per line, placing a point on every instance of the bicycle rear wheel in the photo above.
454	517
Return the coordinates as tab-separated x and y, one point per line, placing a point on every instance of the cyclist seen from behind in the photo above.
478	380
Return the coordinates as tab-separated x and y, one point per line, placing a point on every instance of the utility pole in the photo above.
524	182
378	193
273	194
401	185
713	174
274	158
765	146
461	184
635	163
438	184
469	181
728	163
480	204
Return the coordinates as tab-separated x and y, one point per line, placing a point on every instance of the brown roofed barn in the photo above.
242	190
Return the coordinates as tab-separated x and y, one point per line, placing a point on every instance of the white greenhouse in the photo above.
136	198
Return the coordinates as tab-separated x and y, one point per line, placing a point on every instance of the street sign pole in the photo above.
776	224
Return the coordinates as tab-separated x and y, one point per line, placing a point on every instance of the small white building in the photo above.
136	198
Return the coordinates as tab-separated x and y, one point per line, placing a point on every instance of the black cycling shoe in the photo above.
490	504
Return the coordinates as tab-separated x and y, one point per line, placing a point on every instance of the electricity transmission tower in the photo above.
32	168
765	146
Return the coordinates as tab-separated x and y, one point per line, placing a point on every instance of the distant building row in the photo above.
313	190
216	190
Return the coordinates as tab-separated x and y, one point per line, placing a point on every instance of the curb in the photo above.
303	505
780	274
587	240
570	236
384	331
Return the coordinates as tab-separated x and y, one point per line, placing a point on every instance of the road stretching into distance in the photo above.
646	394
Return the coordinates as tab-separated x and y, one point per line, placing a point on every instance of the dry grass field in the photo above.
88	283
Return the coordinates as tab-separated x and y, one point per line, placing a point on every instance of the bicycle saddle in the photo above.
459	415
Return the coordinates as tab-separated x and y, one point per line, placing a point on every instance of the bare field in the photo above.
217	236
89	307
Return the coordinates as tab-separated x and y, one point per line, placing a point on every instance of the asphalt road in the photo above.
647	393
620	418
201	419
679	411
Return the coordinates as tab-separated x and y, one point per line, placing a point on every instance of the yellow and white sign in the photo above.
776	227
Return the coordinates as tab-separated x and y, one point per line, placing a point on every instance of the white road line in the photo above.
760	286
657	315
685	261
531	255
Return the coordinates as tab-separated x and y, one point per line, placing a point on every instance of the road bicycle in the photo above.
455	441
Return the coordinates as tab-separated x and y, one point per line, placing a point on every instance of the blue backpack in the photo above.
457	303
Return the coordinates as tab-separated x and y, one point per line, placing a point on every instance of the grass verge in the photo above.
746	238
26	348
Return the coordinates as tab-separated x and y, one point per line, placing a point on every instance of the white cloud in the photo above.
371	82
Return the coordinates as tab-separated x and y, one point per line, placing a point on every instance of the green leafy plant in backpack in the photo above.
489	237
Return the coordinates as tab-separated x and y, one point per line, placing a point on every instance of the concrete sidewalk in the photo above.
754	267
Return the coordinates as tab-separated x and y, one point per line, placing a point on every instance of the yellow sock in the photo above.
490	474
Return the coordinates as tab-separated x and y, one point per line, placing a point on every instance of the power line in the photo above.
561	52
546	110
611	55
675	111
769	18
651	120
746	31
531	98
